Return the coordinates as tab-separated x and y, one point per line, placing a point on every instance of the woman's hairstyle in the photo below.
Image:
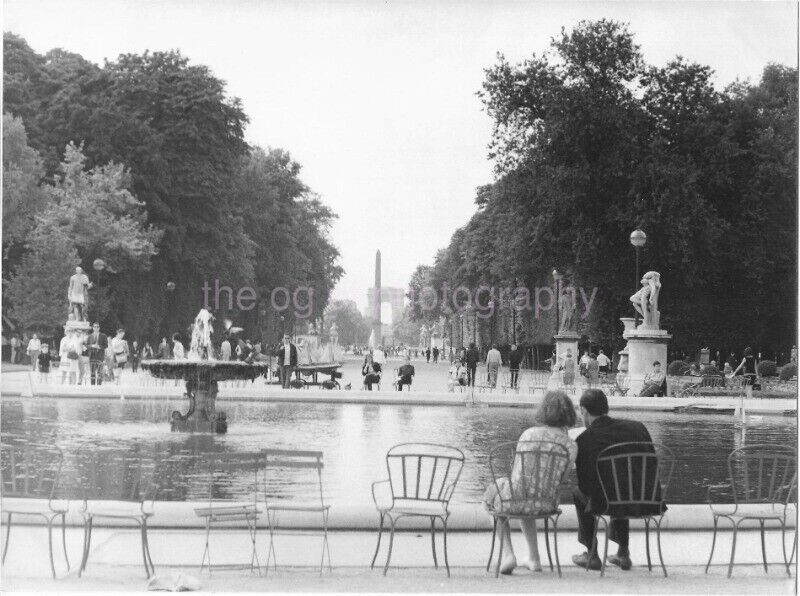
556	410
748	351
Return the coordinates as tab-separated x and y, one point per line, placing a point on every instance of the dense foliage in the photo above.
216	210
590	143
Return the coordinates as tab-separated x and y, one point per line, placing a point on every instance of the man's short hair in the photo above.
595	402
656	363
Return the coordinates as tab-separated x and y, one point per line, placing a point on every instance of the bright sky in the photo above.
377	100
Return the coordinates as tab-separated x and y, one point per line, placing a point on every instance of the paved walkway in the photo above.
115	564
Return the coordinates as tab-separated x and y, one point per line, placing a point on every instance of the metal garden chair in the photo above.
30	476
116	484
528	476
286	460
634	478
763	479
422	478
538	381
223	469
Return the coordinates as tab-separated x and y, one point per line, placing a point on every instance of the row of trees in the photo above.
590	142
141	162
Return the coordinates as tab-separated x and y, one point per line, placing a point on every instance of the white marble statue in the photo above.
645	301
78	294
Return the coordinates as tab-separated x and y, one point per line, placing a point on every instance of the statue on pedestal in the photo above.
566	307
78	294
645	301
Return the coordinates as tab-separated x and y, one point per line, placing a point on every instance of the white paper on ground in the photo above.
175	582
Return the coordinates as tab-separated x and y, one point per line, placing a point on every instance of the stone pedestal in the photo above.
644	347
566	341
202	415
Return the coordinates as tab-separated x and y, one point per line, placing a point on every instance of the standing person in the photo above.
121	353
178	351
750	370
164	353
225	350
568	366
427	354
603	431
593	371
583	363
43	364
15	344
69	351
514	360
371	371
604	363
34	347
472	363
136	355
435	353
97	342
147	351
287	360
493	362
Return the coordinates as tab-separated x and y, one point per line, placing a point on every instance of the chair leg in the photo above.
147	549
501	522
8	535
647	542
378	546
433	542
325	545
271	519
252	528
658	541
605	550
555	544
491	550
64	538
763	546
391	543
207	550
144	552
87	545
713	542
50	544
446	563
547	545
733	549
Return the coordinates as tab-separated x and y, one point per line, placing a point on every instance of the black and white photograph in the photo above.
390	296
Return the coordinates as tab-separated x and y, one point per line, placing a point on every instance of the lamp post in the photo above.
491	322
638	239
170	305
557	279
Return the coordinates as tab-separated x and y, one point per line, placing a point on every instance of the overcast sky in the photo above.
377	100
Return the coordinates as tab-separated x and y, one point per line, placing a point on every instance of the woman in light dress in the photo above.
554	417
69	350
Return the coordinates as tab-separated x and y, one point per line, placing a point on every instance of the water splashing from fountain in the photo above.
200	347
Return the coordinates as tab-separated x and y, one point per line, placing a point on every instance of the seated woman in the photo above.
457	376
371	372
554	417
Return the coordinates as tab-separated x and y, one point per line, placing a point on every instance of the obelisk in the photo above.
377	329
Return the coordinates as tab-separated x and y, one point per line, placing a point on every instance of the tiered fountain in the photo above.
202	372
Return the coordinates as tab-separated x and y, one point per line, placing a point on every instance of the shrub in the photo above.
788	371
767	368
678	368
711	371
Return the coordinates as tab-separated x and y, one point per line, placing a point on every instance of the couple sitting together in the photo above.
554	418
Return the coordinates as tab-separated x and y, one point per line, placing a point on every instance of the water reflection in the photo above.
355	439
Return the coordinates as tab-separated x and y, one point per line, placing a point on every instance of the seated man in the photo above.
457	376
601	431
654	382
405	374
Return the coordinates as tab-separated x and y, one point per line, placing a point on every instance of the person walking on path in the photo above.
435	355
604	363
514	360
593	371
15	344
427	354
493	362
472	363
34	347
136	356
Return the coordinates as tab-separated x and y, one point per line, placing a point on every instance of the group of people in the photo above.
552	422
91	358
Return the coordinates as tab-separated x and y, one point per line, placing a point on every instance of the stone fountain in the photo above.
202	372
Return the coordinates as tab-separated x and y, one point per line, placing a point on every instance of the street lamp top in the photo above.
556	275
170	285
638	237
99	264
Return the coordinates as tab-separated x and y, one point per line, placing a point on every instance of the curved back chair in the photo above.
527	477
762	484
422	478
115	483
634	478
30	477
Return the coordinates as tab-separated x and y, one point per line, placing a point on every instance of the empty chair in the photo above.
762	483
280	464
248	469
115	483
634	478
531	493
30	476
422	478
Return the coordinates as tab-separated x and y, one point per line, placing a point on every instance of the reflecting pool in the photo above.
355	439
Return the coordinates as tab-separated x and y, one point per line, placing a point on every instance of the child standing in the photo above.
43	361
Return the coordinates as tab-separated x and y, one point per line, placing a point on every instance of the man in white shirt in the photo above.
493	362
604	362
34	347
287	360
178	352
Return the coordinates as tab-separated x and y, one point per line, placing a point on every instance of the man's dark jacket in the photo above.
473	356
97	354
514	359
604	432
292	354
